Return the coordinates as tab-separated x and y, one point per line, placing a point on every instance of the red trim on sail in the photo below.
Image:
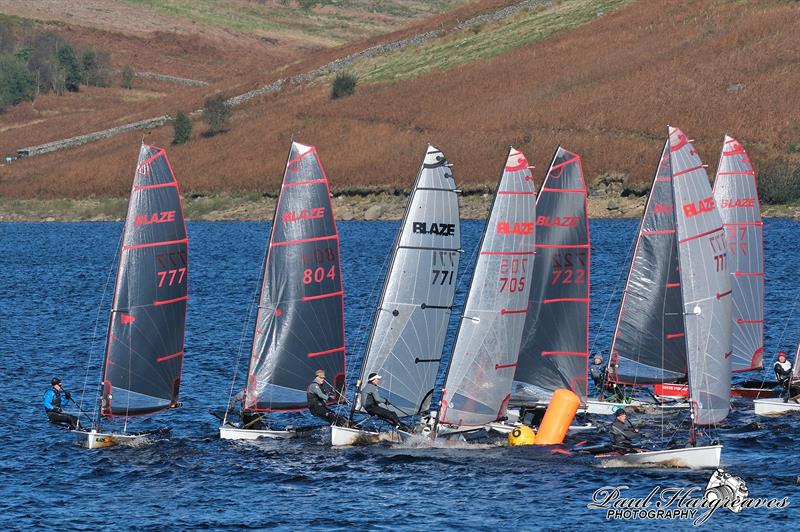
751	172
323	296
673	285
663	179
160	185
503	366
170	301
566	300
564	353
154	244
326	352
692	169
675	335
574	190
741	321
739	224
565	163
723	294
173	355
510	192
701	235
158	154
311	149
749	274
303	240
562	246
507	252
662	232
504	311
311	182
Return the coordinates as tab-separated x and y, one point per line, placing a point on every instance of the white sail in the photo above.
481	370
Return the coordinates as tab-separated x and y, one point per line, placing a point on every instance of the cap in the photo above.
619	412
320	373
373	376
782	354
55	381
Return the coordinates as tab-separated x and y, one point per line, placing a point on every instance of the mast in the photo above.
300	322
736	197
554	349
480	372
144	347
411	320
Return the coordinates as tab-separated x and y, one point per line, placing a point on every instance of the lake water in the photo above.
55	289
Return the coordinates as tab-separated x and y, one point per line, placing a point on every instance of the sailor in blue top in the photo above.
54	400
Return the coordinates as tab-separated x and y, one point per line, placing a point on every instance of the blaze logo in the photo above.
557	221
155	218
311	214
704	205
737	203
662	208
519	228
434	229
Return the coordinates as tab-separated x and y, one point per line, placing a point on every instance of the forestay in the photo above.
554	349
649	344
410	324
481	370
705	283
300	321
736	197
144	348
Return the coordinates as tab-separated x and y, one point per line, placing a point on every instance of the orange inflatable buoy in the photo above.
560	413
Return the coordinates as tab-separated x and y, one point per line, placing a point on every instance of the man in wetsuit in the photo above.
371	400
598	372
318	394
54	400
623	434
783	374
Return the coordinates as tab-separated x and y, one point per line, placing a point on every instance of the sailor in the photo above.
54	400
623	433
783	370
371	399
318	394
598	372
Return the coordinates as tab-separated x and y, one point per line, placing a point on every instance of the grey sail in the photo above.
554	349
796	369
481	369
736	197
144	349
300	321
649	344
410	324
705	283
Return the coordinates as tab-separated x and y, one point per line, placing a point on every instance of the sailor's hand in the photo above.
635	430
58	410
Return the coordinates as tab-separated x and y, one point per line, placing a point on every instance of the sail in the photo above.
481	370
736	197
300	322
144	349
648	344
705	283
796	369
411	321
554	349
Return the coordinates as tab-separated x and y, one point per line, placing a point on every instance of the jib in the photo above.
311	214
155	218
435	229
704	205
519	228
557	221
738	202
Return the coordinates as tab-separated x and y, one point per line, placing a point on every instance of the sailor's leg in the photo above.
62	419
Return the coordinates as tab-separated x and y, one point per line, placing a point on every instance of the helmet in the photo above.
54	381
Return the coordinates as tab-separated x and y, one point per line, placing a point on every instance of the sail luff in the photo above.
736	197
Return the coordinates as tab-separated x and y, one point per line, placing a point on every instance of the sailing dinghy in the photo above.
144	347
778	406
411	320
703	309
480	373
300	321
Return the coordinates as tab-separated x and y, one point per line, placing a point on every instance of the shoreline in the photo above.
347	205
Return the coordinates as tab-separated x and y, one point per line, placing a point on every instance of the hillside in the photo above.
602	77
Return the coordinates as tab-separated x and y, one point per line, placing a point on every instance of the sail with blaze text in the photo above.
300	321
705	283
481	369
554	349
408	332
649	344
736	197
144	349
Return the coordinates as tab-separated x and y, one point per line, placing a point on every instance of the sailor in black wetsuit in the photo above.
54	400
783	374
598	372
371	400
623	434
318	394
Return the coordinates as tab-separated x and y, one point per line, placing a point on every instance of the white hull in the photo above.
234	433
774	407
98	440
505	428
705	457
607	408
341	436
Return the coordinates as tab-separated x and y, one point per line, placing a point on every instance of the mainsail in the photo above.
736	197
144	348
410	324
300	322
554	349
705	283
478	383
649	344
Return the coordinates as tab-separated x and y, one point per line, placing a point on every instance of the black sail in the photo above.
144	349
300	321
554	349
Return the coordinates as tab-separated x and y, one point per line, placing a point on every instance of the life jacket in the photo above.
782	370
56	397
311	397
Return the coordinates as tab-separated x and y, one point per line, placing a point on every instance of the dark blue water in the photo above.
54	296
